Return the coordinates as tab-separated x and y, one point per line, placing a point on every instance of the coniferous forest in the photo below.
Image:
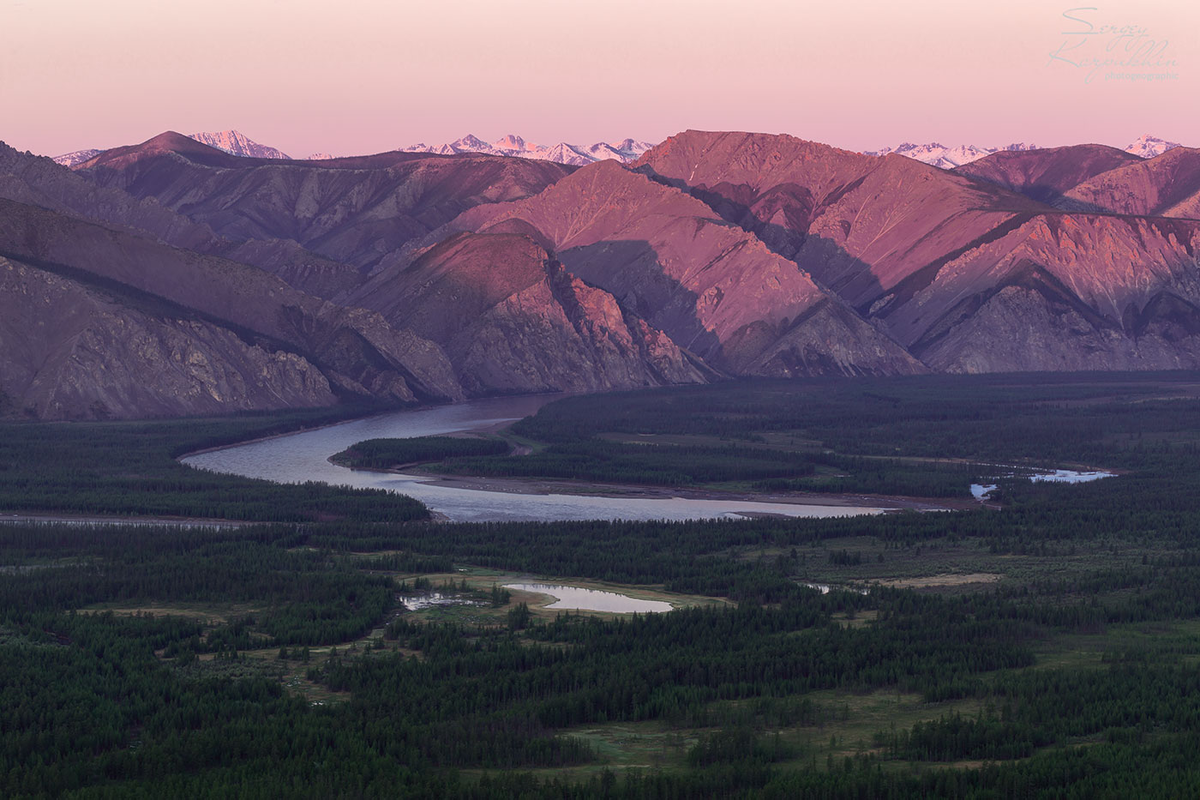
1044	642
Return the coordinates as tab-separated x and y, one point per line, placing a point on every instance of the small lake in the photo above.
300	457
575	598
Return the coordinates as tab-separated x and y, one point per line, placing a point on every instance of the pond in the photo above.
576	598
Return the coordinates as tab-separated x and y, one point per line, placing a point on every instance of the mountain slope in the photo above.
76	157
512	319
714	289
1063	292
1046	175
353	210
512	145
548	331
1167	185
30	179
238	144
859	224
968	276
70	351
943	157
356	350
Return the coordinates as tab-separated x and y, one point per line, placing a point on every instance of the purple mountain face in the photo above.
187	279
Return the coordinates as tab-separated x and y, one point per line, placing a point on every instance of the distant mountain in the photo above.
1047	175
172	277
1100	179
151	326
576	155
76	157
1148	146
712	287
1164	186
238	144
966	275
943	157
939	155
354	210
35	180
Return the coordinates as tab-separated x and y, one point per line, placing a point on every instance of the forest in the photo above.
1046	644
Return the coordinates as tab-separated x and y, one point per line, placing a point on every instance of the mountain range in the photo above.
939	155
238	144
172	277
231	141
625	151
577	155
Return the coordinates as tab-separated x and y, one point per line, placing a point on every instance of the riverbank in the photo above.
84	519
545	486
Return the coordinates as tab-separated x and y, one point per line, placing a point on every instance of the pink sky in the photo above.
356	76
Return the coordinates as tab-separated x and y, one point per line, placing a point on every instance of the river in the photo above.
303	456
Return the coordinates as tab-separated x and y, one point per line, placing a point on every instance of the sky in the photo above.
359	76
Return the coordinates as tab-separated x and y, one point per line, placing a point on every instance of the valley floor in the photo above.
338	642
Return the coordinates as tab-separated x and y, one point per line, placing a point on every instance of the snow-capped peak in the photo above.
513	145
472	143
77	157
510	142
939	155
632	147
1148	146
238	144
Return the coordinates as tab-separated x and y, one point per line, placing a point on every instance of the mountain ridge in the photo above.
939	155
419	276
511	145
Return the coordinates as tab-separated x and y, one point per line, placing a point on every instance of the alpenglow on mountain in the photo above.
238	144
943	157
1148	146
172	278
233	142
576	155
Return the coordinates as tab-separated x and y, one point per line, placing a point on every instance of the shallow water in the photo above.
826	588
303	456
420	602
573	597
980	491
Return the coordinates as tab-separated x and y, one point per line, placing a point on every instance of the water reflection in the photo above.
980	490
303	456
